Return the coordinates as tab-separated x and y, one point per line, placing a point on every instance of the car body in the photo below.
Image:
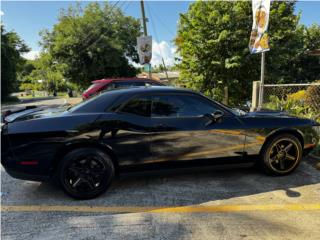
113	83
147	128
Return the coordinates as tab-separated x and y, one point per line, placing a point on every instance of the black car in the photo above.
85	146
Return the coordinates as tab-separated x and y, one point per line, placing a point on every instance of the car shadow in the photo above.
169	188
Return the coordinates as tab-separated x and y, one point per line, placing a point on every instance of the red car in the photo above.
112	83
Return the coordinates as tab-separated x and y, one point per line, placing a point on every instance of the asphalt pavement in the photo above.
205	204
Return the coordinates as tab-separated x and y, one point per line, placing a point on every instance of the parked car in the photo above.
112	83
147	128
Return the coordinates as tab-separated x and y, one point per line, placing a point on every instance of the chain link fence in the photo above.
296	99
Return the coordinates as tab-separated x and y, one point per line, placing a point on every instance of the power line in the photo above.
89	36
157	38
128	4
122	4
162	22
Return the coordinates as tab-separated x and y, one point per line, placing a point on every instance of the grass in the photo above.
30	96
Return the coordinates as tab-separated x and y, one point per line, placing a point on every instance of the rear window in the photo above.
155	83
97	103
132	83
140	106
127	84
94	86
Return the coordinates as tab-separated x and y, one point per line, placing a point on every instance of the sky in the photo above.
28	18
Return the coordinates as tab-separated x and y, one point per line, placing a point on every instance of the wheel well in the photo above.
285	131
69	148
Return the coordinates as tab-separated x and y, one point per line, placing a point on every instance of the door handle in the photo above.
162	126
72	131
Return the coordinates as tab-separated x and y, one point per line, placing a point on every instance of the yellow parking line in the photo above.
155	209
239	208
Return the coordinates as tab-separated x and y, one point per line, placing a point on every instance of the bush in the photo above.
312	97
294	104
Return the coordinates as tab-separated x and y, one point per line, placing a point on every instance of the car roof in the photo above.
108	80
152	89
100	102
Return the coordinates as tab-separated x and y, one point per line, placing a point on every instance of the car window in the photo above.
154	84
128	84
180	106
95	85
139	106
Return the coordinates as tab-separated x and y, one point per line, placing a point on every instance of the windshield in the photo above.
238	111
80	104
235	111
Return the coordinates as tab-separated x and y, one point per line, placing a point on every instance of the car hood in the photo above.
268	113
271	117
35	113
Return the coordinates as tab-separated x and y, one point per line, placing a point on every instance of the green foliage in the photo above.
294	106
313	97
45	75
11	61
213	39
93	43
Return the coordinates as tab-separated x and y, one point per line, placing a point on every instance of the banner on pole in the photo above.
259	39
144	44
147	67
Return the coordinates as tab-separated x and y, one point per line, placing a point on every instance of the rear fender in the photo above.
68	147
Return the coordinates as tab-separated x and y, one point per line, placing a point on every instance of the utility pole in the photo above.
165	68
144	20
261	89
145	32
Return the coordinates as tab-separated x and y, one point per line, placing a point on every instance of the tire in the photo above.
281	155
85	173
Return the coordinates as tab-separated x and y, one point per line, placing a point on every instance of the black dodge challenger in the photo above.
85	146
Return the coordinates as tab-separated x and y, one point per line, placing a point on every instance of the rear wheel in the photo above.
85	173
281	155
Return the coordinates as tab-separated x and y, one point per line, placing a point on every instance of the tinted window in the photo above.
180	106
154	84
95	85
128	84
139	106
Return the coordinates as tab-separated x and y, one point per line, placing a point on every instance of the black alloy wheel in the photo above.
282	155
86	173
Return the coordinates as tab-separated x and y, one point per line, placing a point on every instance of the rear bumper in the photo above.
27	176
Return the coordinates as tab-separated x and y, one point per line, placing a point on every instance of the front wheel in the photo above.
85	173
281	155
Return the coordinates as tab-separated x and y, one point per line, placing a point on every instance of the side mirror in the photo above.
213	117
217	115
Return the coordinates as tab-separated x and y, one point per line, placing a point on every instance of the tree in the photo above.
306	68
213	39
93	43
11	49
45	74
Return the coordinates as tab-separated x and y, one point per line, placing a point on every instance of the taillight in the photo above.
4	115
33	162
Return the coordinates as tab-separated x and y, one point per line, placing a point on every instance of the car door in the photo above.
130	139
182	130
